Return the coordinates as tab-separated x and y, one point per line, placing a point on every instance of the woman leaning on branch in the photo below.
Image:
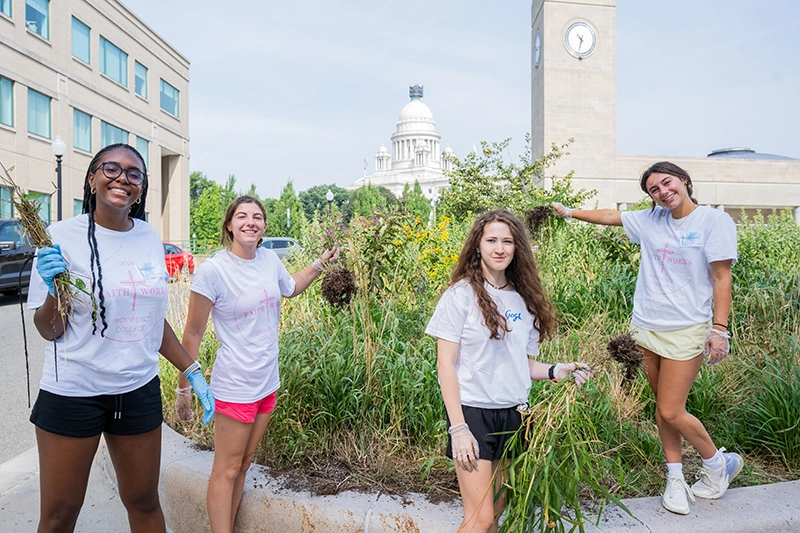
687	253
241	288
105	376
488	324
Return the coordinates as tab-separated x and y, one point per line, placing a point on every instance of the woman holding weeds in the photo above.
241	287
687	253
488	324
105	376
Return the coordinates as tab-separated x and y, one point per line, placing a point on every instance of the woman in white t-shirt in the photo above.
687	253
241	287
488	324
104	379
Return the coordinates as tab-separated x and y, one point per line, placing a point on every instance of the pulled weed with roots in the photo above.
66	287
339	287
537	218
623	349
559	462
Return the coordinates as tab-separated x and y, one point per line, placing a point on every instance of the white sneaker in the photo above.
674	498
714	483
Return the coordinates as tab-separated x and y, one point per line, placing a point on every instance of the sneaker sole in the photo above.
676	511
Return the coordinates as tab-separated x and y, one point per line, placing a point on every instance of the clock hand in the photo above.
580	38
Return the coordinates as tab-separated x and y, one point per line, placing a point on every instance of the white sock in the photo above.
716	462
675	469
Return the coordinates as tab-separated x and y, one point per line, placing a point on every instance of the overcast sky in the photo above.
306	89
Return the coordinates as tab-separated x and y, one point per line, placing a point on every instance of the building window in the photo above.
77	207
44	205
80	41
140	79
5	9
6	102
36	17
81	130
169	98
113	62
143	147
38	113
110	134
6	207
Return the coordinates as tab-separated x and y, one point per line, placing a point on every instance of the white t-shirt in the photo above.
246	296
134	279
492	373
673	289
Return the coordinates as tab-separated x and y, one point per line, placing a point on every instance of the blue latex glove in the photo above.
49	264
204	394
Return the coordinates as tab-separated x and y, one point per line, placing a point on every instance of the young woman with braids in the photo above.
241	288
488	324
687	253
105	377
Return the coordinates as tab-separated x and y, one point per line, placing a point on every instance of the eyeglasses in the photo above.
112	171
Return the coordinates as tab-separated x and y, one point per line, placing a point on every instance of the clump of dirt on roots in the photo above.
623	349
339	287
537	217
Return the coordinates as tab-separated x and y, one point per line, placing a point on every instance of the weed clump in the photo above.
623	349
537	217
339	287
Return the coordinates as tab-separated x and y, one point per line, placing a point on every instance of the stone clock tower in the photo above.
573	87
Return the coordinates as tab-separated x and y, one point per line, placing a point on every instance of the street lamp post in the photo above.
329	197
59	148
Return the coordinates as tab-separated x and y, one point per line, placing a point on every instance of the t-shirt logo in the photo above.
512	316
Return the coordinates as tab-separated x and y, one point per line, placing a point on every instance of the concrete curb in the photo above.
268	506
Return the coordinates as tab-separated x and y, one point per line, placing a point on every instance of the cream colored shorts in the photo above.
679	344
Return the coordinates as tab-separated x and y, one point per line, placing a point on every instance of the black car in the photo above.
16	254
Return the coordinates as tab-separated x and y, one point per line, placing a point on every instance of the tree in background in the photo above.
481	182
414	202
277	219
369	198
314	201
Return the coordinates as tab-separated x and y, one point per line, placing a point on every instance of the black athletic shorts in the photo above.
491	428
132	413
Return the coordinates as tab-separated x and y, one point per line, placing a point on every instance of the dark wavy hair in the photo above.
137	210
522	272
665	167
225	236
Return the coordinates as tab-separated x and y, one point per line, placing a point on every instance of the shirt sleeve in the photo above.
632	222
206	280
449	317
533	343
721	242
285	280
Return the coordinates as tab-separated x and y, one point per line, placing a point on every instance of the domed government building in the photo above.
416	152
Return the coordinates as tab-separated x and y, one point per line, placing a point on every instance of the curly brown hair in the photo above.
522	272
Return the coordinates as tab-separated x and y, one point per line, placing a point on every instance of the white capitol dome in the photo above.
415	153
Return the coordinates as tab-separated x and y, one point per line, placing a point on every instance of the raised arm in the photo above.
304	278
605	217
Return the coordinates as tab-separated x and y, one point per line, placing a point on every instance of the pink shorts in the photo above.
246	412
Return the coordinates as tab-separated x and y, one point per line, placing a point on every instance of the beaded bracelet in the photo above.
191	369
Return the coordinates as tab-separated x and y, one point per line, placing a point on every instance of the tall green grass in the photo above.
360	398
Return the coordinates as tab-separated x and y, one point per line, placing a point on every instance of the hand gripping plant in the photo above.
66	286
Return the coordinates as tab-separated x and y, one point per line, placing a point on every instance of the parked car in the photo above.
178	260
283	246
16	255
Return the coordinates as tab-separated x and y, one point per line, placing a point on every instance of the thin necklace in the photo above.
495	286
677	225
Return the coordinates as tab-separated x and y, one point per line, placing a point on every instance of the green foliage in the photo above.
414	202
277	220
369	199
485	181
207	203
314	200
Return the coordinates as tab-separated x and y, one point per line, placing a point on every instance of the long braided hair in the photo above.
89	207
521	271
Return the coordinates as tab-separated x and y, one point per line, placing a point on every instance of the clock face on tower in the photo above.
580	39
537	48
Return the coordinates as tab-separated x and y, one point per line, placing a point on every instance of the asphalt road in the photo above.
16	433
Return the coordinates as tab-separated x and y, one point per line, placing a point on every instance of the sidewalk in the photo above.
267	506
